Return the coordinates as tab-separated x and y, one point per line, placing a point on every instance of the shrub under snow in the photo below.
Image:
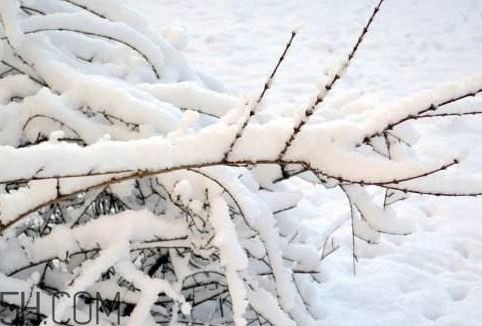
124	170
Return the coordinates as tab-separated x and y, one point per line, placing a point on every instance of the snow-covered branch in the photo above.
122	169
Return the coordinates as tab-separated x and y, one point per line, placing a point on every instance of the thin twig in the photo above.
329	85
253	106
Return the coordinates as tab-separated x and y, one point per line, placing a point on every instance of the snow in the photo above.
232	257
134	227
138	152
150	289
413	45
267	307
190	96
37	192
11	25
91	271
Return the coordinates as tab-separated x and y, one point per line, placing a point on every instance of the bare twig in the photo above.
330	83
253	106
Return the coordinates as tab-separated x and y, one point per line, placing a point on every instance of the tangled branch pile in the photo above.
124	170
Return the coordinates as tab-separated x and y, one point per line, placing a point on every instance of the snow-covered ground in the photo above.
433	276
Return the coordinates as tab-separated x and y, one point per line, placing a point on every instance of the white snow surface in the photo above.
432	276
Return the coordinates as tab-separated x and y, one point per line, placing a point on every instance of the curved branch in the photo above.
30	119
73	3
110	38
433	193
433	107
141	174
438	115
149	244
42	83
